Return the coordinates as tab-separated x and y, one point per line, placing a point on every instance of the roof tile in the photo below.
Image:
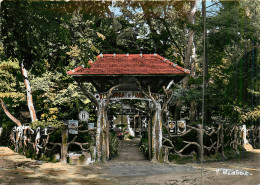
134	64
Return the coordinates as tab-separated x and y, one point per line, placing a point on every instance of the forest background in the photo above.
51	38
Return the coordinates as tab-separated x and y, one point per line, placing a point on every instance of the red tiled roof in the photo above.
133	64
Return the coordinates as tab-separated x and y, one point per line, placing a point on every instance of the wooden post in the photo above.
64	144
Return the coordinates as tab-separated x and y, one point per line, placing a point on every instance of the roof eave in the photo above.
80	75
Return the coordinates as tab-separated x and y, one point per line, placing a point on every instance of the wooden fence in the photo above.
206	141
195	140
51	141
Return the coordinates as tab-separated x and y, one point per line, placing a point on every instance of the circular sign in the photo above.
83	116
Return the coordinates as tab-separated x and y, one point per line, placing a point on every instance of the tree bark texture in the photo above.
193	75
222	141
149	136
177	110
29	94
235	139
64	144
188	61
192	111
18	123
200	141
159	123
154	140
207	114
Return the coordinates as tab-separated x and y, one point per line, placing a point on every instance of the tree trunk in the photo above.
154	143
64	144
187	61
235	139
18	123
102	133
29	94
177	110
107	134
218	139
149	136
99	131
207	115
222	141
200	141
193	111
159	123
193	75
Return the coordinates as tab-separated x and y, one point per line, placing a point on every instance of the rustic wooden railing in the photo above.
40	141
209	140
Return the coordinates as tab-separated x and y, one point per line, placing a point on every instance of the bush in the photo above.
144	146
113	145
44	158
81	159
181	160
131	137
5	136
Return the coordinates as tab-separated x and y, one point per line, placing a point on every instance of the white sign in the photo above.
73	123
91	125
83	116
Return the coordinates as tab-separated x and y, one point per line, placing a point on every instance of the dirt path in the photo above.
129	152
16	169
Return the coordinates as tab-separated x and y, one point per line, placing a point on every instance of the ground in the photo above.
130	167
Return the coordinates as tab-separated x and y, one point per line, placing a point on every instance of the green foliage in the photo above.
143	145
12	147
45	158
215	157
131	137
10	80
81	159
181	160
113	145
20	150
52	38
5	136
230	153
247	115
44	124
29	153
48	159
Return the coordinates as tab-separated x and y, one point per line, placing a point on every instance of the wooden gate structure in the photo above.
129	76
